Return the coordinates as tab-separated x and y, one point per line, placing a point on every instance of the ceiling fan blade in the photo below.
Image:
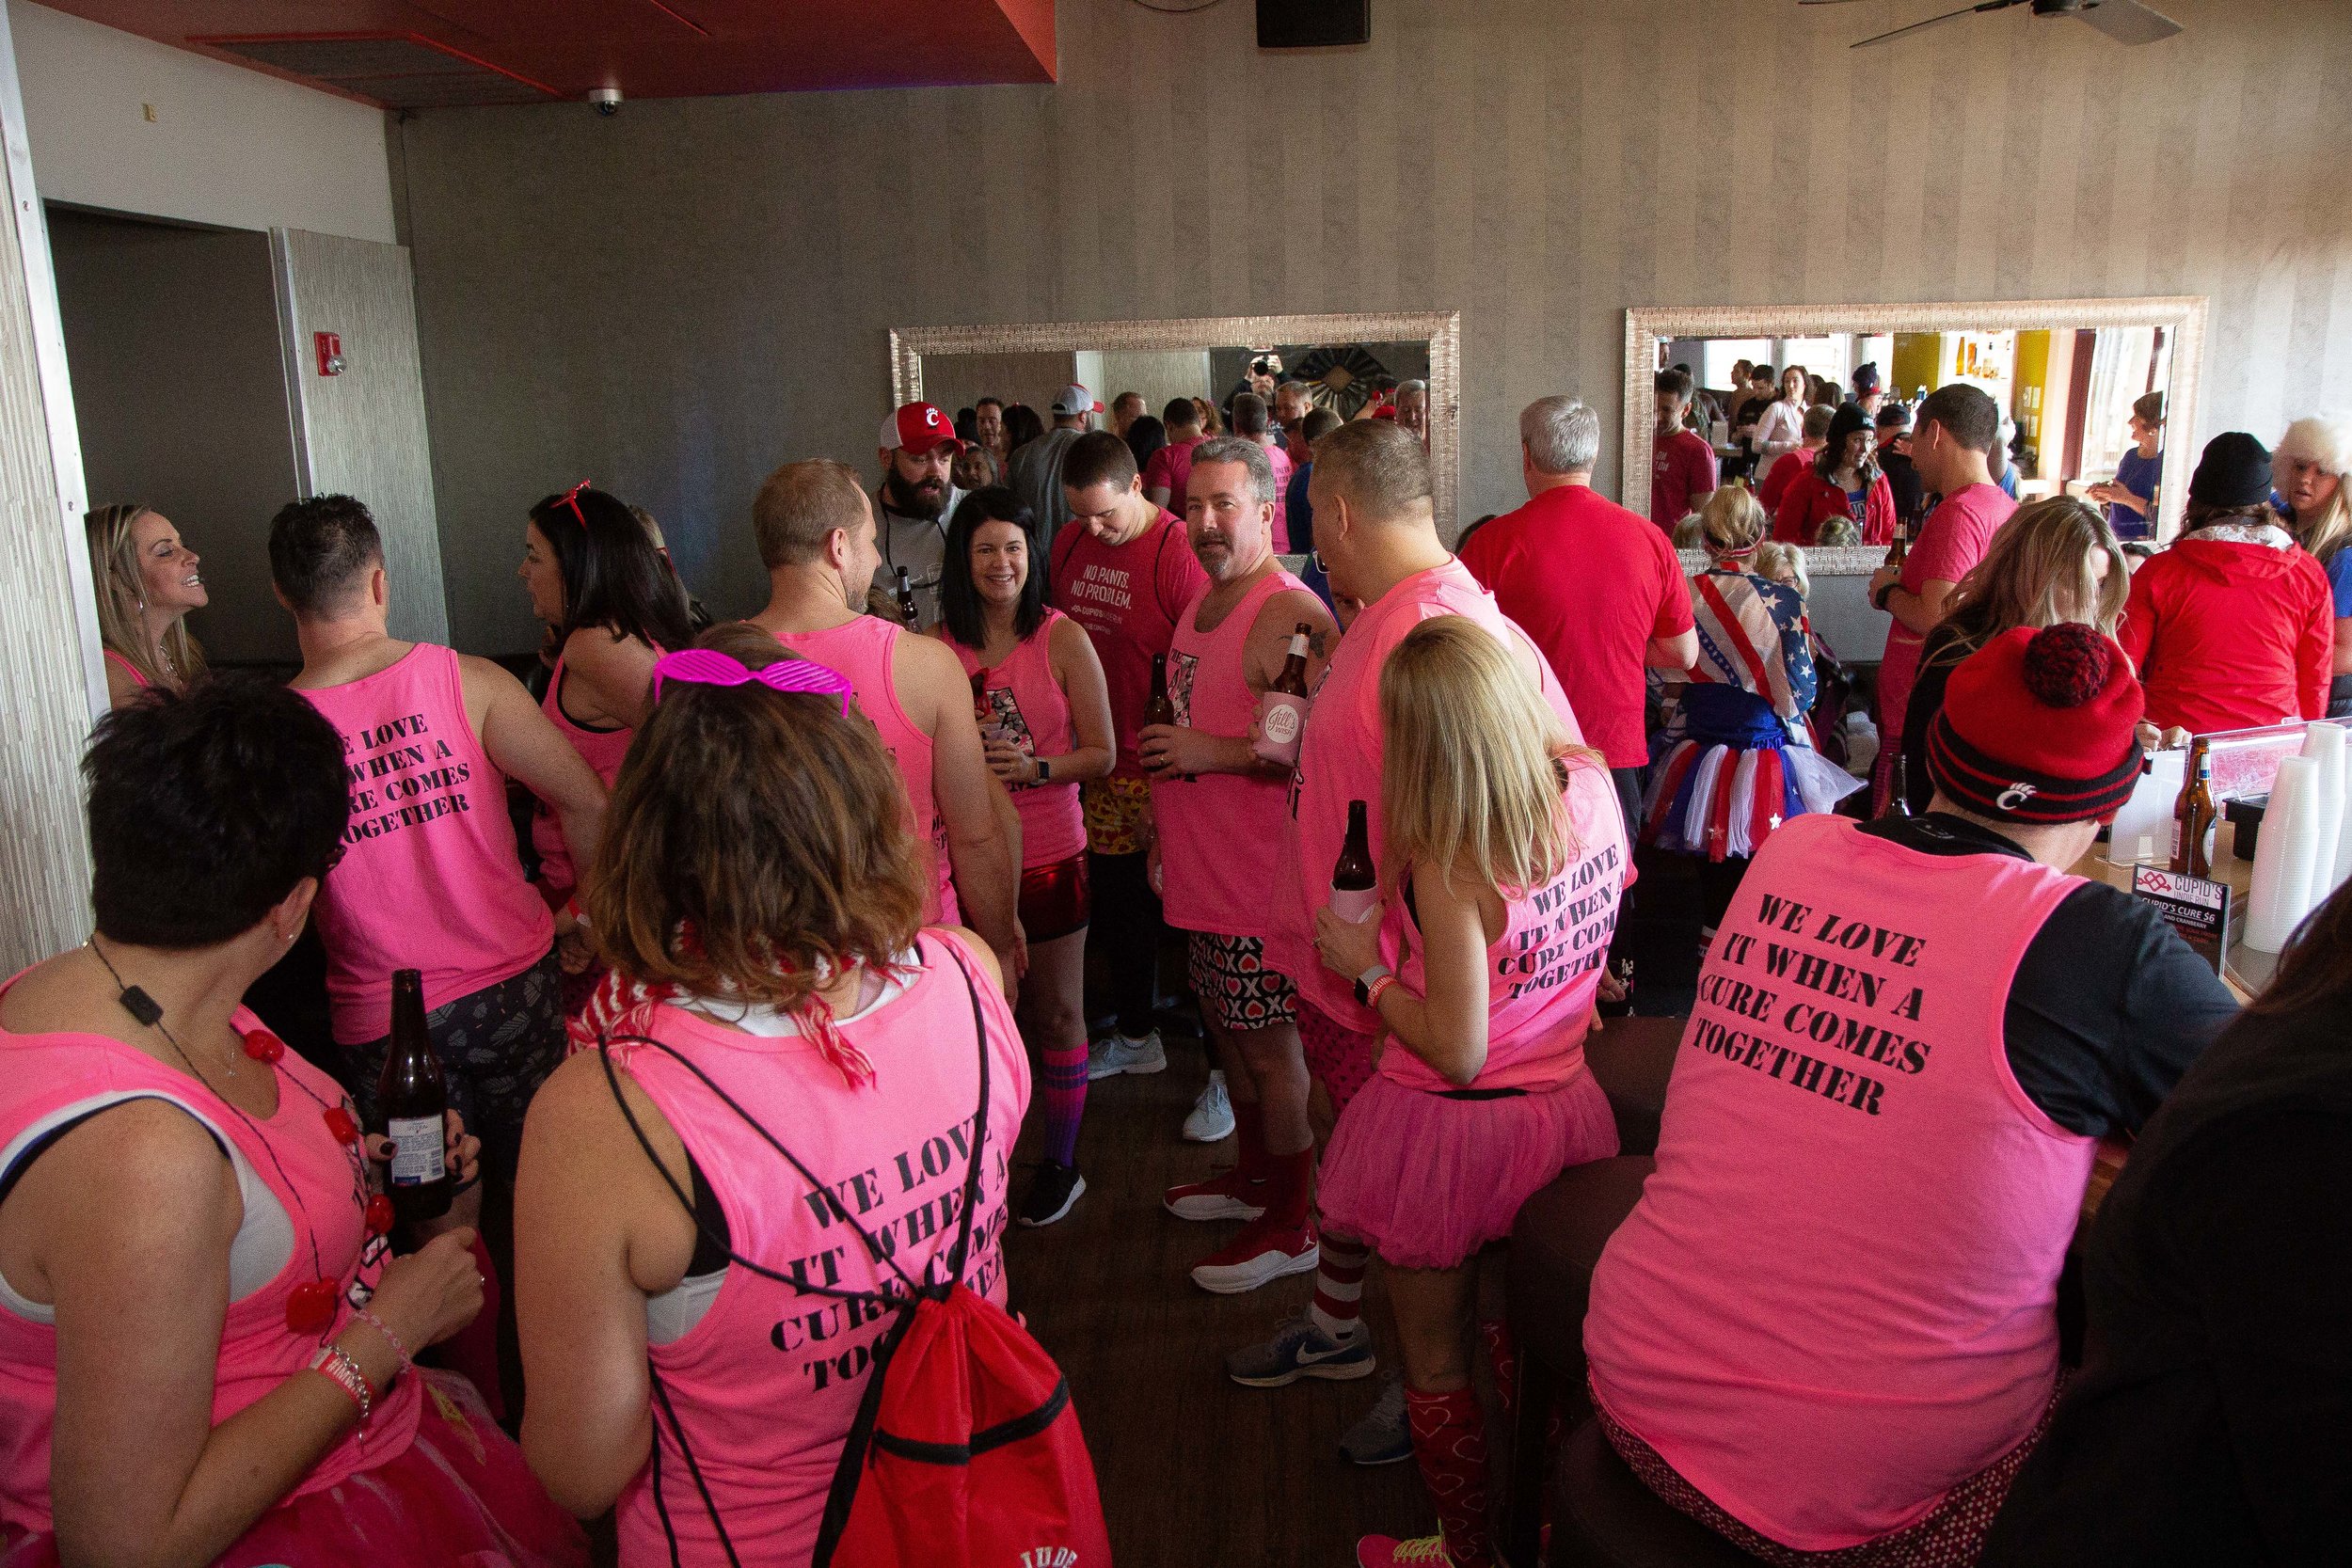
2127	22
1938	22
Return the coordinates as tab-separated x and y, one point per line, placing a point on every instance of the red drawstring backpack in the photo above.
965	1453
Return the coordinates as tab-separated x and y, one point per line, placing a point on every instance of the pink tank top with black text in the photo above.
1209	825
1339	760
601	750
48	1082
1837	1296
767	1382
862	651
1028	703
1542	973
430	879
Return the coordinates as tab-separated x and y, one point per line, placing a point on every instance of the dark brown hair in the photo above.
751	834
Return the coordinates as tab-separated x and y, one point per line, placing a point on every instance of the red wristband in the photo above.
1374	991
334	1364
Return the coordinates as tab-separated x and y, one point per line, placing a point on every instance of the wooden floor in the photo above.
1195	1469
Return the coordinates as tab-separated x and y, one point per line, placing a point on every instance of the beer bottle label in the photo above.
1354	904
416	1150
1281	716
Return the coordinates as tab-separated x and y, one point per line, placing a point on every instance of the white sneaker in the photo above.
1211	1118
1115	1054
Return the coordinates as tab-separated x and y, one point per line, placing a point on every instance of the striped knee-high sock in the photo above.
1337	1306
1065	1080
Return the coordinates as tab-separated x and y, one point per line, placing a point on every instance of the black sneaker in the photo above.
1051	1194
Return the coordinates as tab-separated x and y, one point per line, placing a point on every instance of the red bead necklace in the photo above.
310	1306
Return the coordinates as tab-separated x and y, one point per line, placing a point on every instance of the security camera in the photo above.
607	100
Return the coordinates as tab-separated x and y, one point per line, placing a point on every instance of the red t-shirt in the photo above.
1128	597
1681	465
1592	583
1170	467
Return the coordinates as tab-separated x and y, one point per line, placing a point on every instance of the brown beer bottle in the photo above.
908	614
1355	886
2195	817
412	1099
1159	710
1900	549
1282	715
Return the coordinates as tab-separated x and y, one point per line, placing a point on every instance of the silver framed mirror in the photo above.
1438	331
2176	323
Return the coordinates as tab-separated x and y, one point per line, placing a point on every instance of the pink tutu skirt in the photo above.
458	1497
1426	1180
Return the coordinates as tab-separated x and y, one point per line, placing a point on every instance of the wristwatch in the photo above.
1364	982
1878	600
1044	770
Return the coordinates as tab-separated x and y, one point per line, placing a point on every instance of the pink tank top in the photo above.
766	1384
430	879
1206	886
1339	761
128	668
1544	971
1028	704
863	650
602	750
1837	1296
47	1081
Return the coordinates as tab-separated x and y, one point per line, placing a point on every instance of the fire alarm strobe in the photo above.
330	348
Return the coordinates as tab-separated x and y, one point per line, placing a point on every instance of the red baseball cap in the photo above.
919	427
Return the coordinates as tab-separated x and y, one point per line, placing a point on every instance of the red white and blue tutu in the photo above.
1735	776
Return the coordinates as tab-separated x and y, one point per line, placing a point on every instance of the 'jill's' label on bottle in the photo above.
1355	904
416	1150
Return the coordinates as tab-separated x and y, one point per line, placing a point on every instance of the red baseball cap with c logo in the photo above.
919	427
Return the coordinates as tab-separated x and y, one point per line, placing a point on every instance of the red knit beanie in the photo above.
2037	726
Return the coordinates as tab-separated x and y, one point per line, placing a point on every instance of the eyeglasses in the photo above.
708	667
571	498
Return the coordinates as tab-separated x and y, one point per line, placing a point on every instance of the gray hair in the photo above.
1562	435
1248	453
1415	385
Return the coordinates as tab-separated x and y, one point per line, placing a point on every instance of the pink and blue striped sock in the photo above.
1064	1079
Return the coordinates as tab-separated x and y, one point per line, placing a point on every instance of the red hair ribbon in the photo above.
571	498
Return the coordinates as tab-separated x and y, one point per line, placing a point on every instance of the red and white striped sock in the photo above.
1338	1309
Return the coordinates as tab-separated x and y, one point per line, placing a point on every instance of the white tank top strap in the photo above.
265	1236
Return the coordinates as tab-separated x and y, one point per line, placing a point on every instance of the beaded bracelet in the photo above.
334	1364
363	1315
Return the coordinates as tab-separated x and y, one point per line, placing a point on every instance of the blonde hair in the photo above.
2040	555
2325	440
113	570
1731	521
1773	554
1474	772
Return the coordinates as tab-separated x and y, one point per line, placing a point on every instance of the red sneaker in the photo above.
1229	1196
1261	1253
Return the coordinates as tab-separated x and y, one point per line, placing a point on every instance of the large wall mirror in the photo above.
1342	358
2064	372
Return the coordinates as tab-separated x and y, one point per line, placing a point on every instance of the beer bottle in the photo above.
2195	819
907	612
1283	712
1899	795
1355	886
412	1101
1159	710
1900	548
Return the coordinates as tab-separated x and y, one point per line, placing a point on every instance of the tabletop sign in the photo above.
2195	907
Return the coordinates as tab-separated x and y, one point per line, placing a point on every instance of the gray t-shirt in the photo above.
1036	475
919	545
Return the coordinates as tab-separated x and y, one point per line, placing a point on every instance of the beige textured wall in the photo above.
678	299
363	432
